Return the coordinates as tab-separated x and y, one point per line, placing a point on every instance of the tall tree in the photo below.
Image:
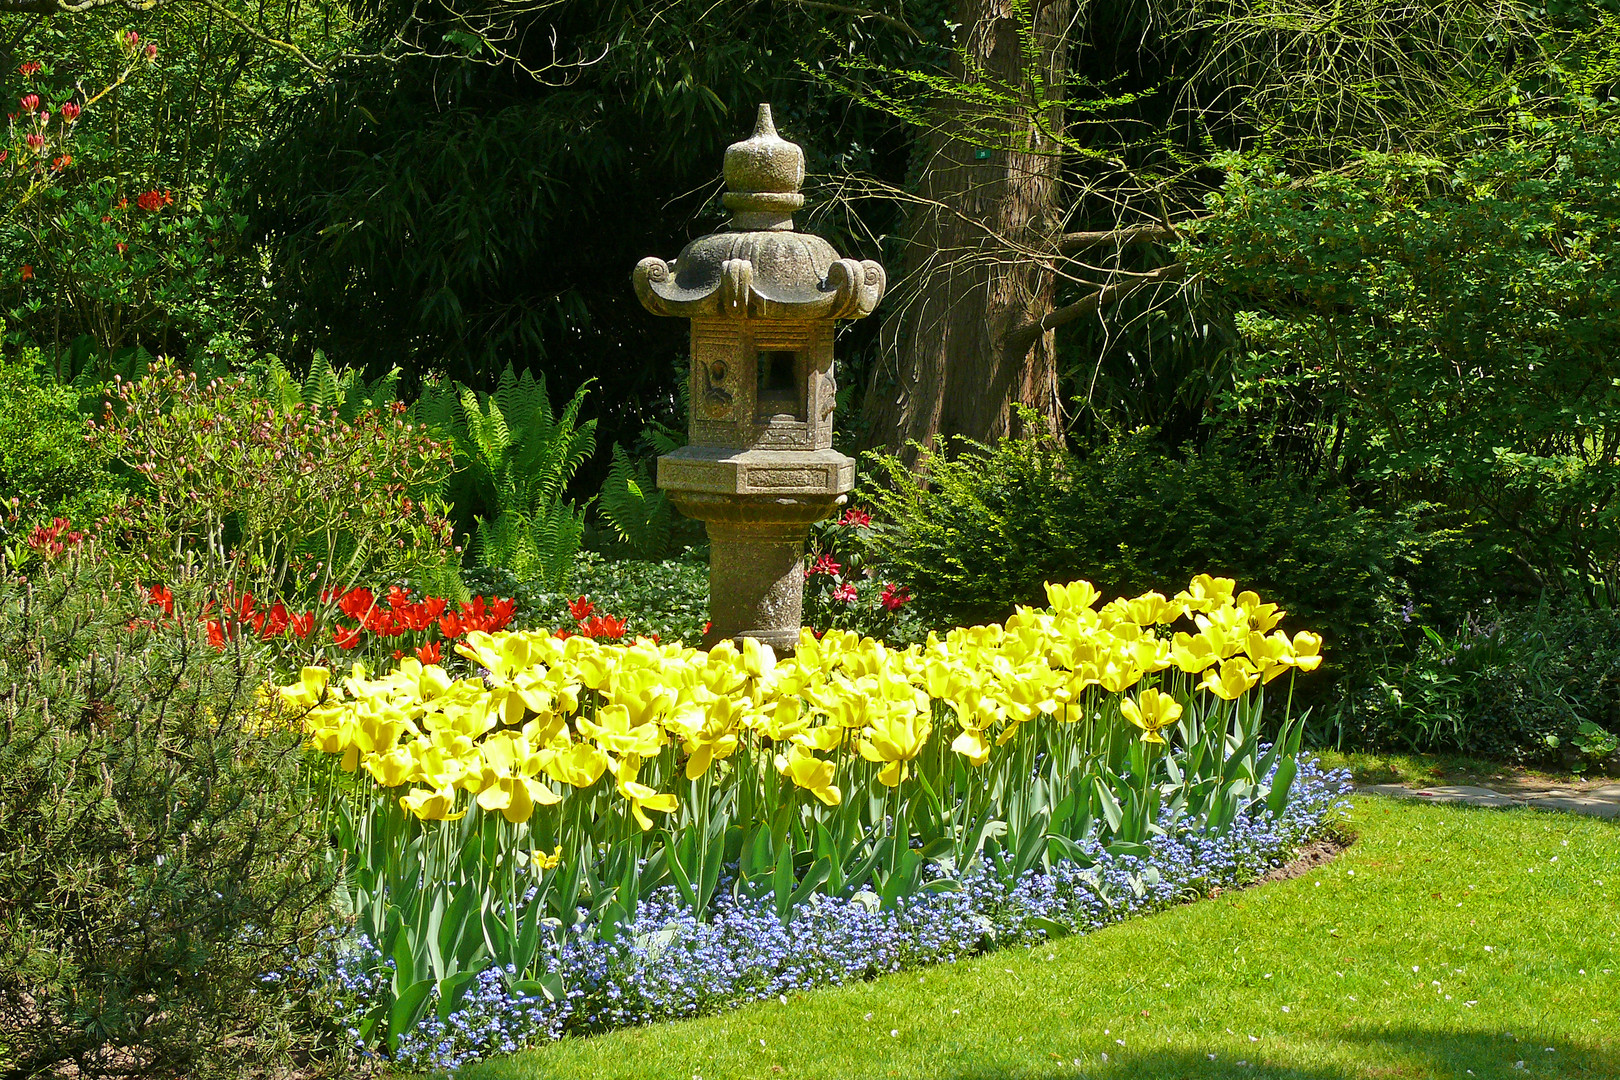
1069	144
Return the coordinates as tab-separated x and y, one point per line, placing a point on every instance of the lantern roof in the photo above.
760	268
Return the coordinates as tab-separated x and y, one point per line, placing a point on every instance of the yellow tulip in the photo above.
972	745
823	737
1153	609
1193	653
1262	618
1207	593
310	689
393	769
614	732
641	797
1307	650
430	805
1271	656
895	740
580	766
811	773
514	796
1236	678
1074	595
758	660
1152	712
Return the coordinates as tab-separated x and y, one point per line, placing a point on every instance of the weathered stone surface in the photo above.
721	471
761	467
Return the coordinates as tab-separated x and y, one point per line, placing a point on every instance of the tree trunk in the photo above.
957	351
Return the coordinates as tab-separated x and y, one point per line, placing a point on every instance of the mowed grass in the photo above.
1447	942
1379	767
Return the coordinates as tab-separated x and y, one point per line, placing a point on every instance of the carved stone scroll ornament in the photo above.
736	287
856	287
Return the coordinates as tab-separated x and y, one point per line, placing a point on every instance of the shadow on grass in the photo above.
1414	1053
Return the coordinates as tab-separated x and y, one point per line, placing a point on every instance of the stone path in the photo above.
1596	800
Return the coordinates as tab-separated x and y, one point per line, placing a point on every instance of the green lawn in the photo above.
1380	767
1446	939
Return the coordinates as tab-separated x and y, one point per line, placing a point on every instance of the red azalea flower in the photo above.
581	609
271	624
161	596
30	102
154	200
893	598
70	111
27	272
429	653
62	162
845	592
35	141
30	69
856	518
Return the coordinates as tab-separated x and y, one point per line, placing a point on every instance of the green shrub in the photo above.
668	598
160	868
985	529
1450	328
276	499
45	461
1520	685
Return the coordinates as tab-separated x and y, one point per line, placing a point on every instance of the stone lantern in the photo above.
760	467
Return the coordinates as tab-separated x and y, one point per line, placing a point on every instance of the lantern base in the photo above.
756	562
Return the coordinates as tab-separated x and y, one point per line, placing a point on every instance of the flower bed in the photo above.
566	796
668	964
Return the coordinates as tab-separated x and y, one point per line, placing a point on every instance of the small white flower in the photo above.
894	1033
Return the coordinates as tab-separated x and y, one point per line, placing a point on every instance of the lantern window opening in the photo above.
780	391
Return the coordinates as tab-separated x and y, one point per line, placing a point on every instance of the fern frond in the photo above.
639	513
321	389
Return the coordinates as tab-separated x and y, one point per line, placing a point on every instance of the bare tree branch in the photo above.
1076	242
1106	295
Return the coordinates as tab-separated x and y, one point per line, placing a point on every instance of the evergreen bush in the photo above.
162	876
